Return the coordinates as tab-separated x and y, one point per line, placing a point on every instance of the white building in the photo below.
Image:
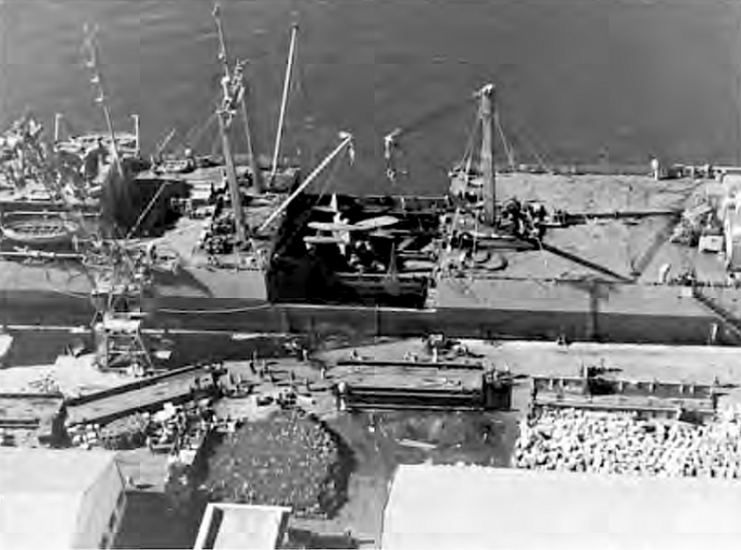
242	526
436	507
59	498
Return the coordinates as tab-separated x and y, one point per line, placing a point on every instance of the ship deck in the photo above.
632	248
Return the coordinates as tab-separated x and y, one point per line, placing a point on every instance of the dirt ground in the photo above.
381	441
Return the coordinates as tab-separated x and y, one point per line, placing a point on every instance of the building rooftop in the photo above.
40	493
50	471
474	507
242	526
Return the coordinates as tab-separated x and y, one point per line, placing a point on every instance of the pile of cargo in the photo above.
287	460
619	443
219	238
172	430
125	433
696	220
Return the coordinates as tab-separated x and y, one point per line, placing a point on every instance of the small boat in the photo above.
174	166
39	231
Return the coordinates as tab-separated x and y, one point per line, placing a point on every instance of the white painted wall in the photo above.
97	506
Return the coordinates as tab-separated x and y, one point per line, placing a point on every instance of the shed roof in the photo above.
474	507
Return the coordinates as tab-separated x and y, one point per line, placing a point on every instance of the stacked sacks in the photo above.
575	440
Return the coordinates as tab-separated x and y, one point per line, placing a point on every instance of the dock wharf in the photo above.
416	385
410	364
30	417
645	408
645	398
146	395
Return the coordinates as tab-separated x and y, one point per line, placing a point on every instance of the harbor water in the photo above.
579	81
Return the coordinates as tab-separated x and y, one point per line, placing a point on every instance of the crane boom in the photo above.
346	141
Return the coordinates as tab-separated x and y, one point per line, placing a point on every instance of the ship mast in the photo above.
284	100
230	79
233	93
486	116
97	80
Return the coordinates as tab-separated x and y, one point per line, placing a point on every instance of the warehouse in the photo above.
60	499
437	507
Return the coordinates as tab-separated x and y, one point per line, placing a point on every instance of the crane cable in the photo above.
145	212
467	158
507	149
542	162
195	134
298	227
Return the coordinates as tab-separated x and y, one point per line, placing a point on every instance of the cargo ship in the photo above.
521	252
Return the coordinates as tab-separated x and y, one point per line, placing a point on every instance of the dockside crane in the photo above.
118	279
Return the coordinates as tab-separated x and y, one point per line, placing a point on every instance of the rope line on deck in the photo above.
212	311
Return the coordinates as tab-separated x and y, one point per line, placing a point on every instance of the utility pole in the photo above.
486	116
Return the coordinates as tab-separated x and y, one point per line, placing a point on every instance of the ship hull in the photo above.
508	309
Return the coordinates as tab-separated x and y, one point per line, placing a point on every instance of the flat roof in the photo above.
25	470
437	507
40	494
242	526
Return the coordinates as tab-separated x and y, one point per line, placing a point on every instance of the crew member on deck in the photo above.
655	168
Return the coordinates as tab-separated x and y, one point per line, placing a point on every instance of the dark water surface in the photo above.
577	78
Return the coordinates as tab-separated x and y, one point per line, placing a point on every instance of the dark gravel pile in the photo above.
125	433
287	460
